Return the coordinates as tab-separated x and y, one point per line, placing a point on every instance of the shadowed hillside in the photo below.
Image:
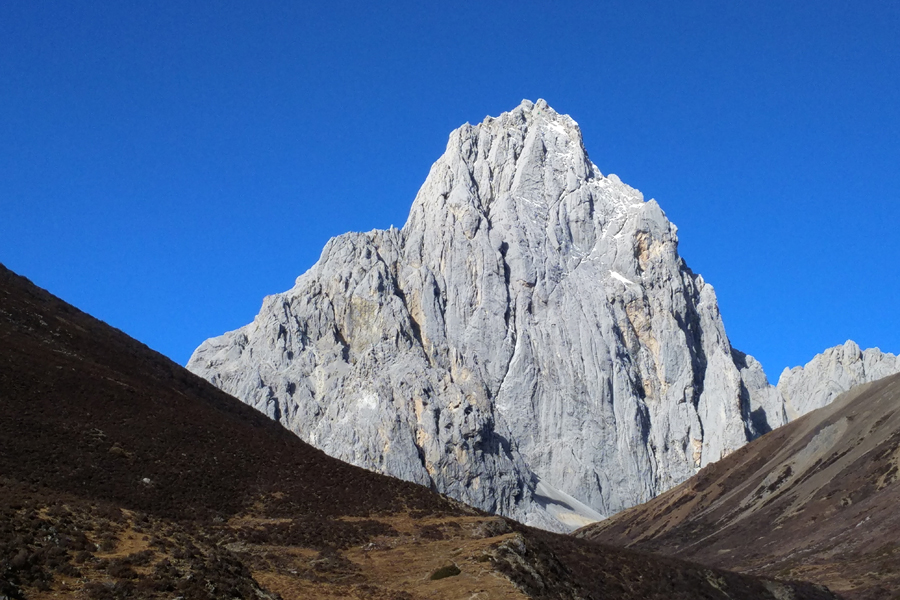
124	476
815	500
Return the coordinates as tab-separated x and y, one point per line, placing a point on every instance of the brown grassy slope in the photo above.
88	410
816	500
124	476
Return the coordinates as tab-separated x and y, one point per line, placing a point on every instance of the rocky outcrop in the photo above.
529	343
832	373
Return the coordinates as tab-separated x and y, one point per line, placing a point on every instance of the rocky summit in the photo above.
832	373
530	342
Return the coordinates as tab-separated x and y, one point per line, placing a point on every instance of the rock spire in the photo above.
529	342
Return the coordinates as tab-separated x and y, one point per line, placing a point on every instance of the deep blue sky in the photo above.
167	164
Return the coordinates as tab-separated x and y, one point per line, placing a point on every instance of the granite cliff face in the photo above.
832	373
529	343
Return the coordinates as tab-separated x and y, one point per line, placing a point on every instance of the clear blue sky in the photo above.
167	164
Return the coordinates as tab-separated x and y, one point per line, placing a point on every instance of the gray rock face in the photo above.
830	374
529	343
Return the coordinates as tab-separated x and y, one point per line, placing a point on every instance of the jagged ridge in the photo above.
832	373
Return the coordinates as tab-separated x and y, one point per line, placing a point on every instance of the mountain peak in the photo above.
529	343
559	132
525	172
539	112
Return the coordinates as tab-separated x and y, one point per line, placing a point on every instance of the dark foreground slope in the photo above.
818	499
124	476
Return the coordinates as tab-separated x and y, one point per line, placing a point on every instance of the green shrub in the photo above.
448	571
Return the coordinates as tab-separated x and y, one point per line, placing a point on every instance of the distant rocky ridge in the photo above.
831	373
529	343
